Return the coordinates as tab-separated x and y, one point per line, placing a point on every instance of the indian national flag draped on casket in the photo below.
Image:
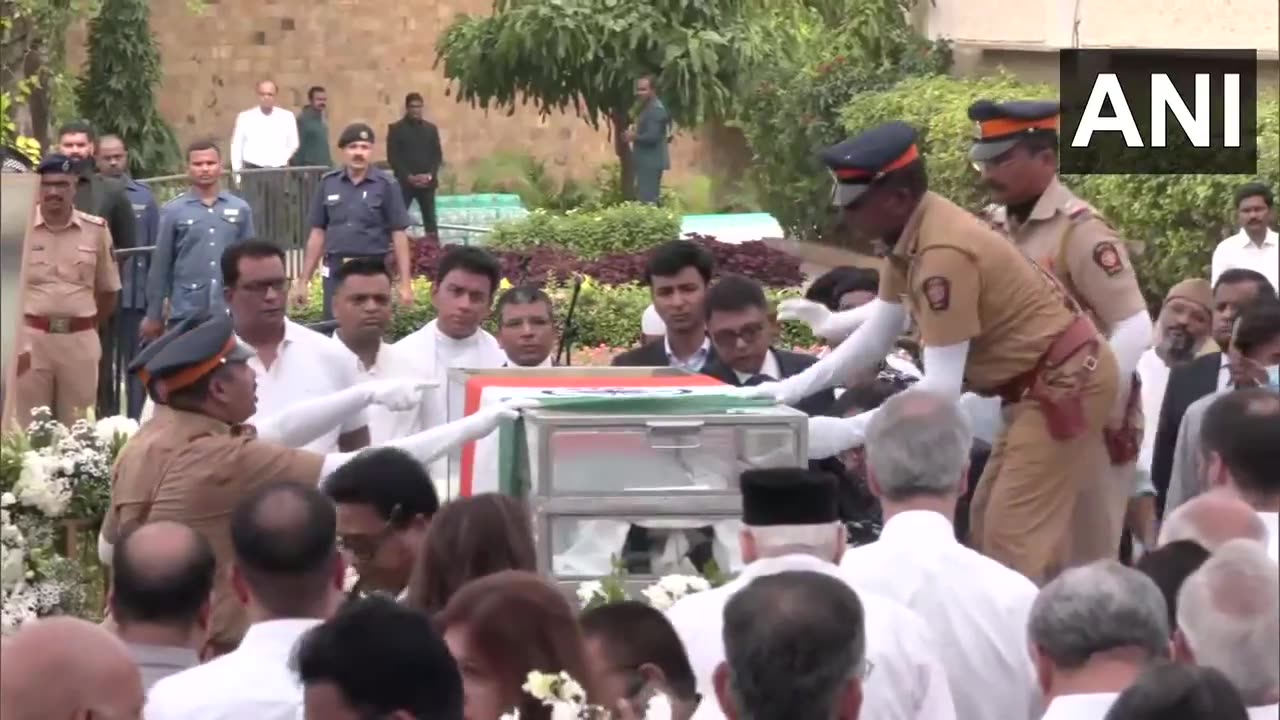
644	393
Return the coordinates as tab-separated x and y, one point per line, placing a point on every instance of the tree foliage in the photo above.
583	56
823	56
116	92
32	58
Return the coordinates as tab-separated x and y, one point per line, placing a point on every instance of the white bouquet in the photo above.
671	588
568	701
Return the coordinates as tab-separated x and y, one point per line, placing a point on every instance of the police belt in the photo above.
61	325
1075	338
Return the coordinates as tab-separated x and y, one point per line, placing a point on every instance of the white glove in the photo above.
830	436
483	421
398	395
830	326
763	391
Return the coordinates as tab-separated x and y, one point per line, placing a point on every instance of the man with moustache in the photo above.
357	213
1015	151
526	327
96	194
313	132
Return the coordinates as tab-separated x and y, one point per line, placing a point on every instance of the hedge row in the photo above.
624	228
559	264
607	315
1176	219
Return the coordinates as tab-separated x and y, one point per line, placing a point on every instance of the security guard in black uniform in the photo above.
358	212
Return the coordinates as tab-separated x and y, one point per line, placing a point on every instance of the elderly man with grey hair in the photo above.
1092	631
1212	520
1229	619
917	465
791	524
807	661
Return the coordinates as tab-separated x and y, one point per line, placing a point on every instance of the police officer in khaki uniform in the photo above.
71	285
195	458
1015	150
990	321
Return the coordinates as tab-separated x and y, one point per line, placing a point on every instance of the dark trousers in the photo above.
332	263
130	321
268	198
426	198
648	185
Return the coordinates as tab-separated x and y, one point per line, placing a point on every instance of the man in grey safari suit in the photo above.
649	142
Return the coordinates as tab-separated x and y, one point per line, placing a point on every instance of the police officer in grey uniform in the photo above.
195	228
358	212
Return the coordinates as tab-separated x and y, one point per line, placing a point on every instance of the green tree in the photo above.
117	89
583	56
33	81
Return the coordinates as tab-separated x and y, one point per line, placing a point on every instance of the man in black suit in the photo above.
737	315
415	156
678	274
1236	289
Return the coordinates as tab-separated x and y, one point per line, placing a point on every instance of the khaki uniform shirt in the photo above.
1066	236
67	268
962	282
194	469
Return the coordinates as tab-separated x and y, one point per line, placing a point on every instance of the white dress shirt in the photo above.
1272	521
264	139
434	354
907	681
1154	374
252	681
1238	251
307	365
1083	706
768	368
389	364
1264	712
976	607
693	363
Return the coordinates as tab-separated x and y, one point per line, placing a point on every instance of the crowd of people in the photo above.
1025	498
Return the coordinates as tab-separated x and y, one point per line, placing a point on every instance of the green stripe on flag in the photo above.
697	404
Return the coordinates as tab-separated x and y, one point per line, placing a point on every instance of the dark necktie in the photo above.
757	379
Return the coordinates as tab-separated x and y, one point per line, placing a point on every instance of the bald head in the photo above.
62	667
1213	519
162	575
284	536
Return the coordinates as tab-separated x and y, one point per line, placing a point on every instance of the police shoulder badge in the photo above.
937	292
1107	257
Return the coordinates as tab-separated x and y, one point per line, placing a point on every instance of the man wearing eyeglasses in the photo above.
1015	152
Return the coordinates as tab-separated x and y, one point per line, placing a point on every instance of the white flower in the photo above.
38	488
658	708
349	579
658	597
7	499
564	711
570	689
13	567
513	715
670	589
110	428
589	590
539	685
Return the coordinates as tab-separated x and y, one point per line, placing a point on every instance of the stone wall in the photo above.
368	54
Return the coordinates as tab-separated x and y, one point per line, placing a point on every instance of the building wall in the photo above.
368	54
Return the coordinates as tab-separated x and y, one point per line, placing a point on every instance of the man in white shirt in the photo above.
1211	520
791	523
1092	631
917	465
526	327
293	364
1229	619
264	136
1241	437
289	575
462	293
1256	247
362	306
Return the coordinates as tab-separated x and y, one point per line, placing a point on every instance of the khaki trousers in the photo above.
63	375
1043	505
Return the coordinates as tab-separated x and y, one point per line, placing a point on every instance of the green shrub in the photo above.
1176	219
606	315
628	228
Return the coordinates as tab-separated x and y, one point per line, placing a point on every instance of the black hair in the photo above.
733	293
822	290
113	136
671	257
634	634
311	92
862	280
170	595
1236	276
382	657
1169	566
1255	189
363	267
200	145
471	260
235	252
523	295
77	127
389	480
1178	691
413	97
285	540
1243	428
1258	325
